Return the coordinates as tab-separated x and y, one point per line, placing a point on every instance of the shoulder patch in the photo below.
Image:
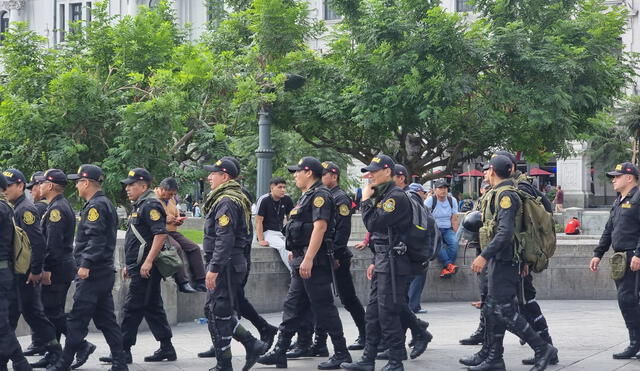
224	220
28	218
343	210
318	201
389	205
505	202
93	215
55	216
154	215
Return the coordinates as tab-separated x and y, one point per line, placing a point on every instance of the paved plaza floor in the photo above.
586	333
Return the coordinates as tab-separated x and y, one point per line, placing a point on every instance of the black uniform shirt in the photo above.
501	245
622	230
149	218
96	236
6	232
58	227
41	206
314	204
392	211
274	212
343	223
28	218
226	236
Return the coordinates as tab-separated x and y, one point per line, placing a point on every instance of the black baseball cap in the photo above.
307	163
378	163
88	171
330	167
500	164
33	180
136	175
224	165
440	183
508	154
624	168
56	176
235	162
14	176
400	170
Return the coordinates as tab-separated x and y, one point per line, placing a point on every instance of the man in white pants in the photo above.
273	207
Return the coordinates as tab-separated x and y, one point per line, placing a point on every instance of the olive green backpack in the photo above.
21	249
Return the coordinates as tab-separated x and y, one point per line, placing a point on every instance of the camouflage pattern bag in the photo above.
618	265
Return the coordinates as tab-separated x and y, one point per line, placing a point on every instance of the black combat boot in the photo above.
420	344
128	358
83	353
340	356
358	344
268	334
319	346
366	363
494	360
120	361
633	348
302	347
490	356
532	361
544	352
35	350
393	365
54	352
254	348
224	364
166	352
278	356
477	337
211	353
481	355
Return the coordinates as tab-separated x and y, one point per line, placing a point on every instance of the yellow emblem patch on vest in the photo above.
224	220
28	218
389	205
505	202
626	205
154	215
318	201
55	216
93	215
293	212
343	210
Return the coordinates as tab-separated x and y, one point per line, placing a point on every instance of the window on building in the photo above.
75	11
463	6
329	13
62	22
4	24
88	10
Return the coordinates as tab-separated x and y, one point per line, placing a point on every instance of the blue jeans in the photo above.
415	291
449	247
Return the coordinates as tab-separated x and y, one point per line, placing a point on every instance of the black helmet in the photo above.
470	229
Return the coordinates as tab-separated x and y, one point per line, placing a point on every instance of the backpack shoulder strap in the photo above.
450	202
434	202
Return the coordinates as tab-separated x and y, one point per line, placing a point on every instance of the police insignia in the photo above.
223	220
626	205
343	210
618	167
318	201
93	215
28	218
132	173
55	216
8	174
154	215
389	205
505	202
325	164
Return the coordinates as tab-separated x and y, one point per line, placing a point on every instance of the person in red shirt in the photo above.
573	226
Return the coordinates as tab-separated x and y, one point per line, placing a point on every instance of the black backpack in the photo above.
434	202
423	237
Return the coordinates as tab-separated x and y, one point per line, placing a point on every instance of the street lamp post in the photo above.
264	153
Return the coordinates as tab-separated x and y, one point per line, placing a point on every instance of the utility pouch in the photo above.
485	235
618	263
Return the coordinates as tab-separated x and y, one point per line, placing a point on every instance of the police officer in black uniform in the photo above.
344	281
9	346
58	228
386	213
622	232
95	277
227	227
28	285
309	235
503	272
144	298
39	201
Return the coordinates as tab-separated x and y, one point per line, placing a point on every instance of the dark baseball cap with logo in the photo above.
235	162
378	163
136	175
223	165
14	176
307	163
56	176
624	168
440	183
509	155
399	170
33	180
330	167
88	171
500	164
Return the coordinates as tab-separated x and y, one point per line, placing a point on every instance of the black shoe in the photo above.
276	357
393	365
477	358
543	357
168	353
299	352
362	365
335	361
319	350
489	365
385	355
33	350
120	362
186	288
211	353
254	352
420	344
628	352
58	367
82	356
49	359
128	358
268	334
358	345
476	338
532	361
221	368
